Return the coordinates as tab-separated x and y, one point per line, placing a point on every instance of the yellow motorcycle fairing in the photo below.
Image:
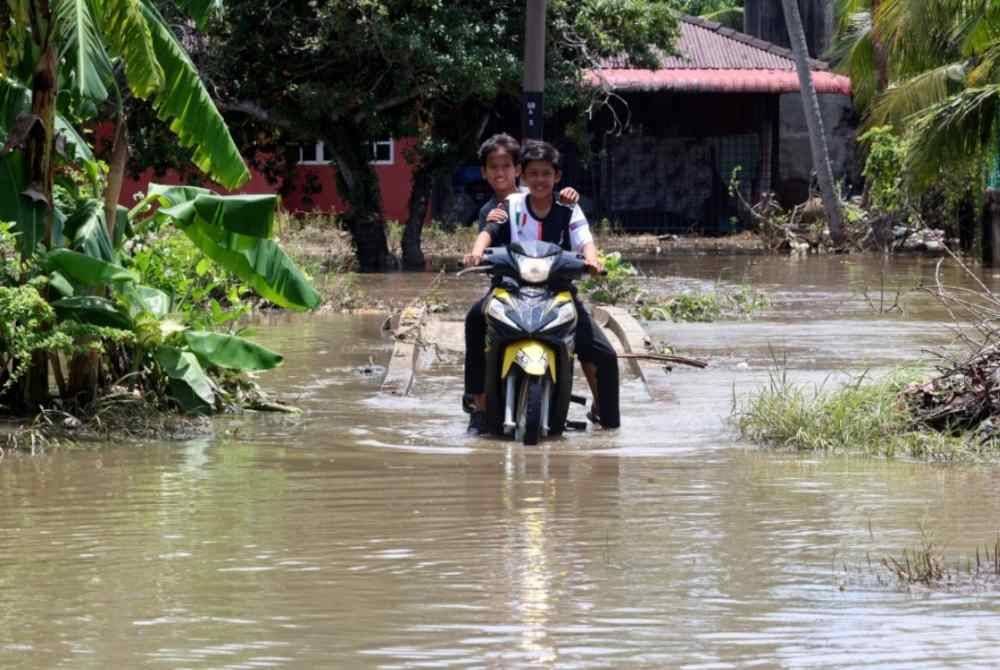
532	356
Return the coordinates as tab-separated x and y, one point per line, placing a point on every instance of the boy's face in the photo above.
541	178
500	172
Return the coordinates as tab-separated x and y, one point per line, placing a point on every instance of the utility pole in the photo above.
534	70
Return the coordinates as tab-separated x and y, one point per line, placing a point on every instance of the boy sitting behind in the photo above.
536	215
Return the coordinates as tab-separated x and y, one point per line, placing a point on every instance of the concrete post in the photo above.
534	70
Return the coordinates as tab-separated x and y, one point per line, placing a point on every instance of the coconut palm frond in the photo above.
979	29
918	34
958	130
846	9
853	54
730	17
987	70
912	96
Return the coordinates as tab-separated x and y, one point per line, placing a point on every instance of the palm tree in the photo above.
941	79
814	120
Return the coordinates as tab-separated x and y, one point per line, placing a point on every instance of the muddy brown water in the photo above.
371	532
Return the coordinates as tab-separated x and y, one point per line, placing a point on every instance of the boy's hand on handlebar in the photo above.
472	260
568	196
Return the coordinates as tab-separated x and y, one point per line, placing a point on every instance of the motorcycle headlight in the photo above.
495	309
534	270
566	313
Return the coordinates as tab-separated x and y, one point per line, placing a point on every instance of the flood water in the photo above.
371	532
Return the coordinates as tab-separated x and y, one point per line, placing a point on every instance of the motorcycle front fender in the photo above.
532	356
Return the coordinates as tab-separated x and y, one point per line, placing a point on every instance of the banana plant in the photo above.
234	231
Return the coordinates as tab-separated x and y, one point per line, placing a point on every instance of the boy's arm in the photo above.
583	241
475	257
592	258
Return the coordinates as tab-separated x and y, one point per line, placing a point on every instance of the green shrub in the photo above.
617	286
205	293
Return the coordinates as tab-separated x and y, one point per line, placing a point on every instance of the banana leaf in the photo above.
86	270
259	262
230	351
61	284
82	49
194	118
189	384
93	310
85	231
141	299
128	33
15	98
250	215
27	215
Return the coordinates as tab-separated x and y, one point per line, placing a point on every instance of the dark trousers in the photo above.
592	346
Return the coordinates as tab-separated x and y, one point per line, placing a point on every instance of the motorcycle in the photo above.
531	322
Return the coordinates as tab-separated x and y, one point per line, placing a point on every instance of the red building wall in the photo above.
395	180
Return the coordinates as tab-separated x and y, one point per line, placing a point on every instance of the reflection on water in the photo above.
373	533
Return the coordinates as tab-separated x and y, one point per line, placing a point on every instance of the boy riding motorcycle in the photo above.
538	216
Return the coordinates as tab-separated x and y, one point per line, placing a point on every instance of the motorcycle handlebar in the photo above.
474	268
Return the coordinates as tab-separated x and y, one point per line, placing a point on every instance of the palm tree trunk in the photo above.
814	120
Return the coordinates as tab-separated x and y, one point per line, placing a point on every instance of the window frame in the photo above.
321	158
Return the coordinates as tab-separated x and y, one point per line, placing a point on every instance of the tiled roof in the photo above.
711	57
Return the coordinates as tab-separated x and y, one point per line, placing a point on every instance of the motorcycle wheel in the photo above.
529	411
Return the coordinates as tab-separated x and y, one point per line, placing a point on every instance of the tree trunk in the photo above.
38	157
358	184
116	174
420	199
814	121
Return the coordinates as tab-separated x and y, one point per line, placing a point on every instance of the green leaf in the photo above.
61	284
230	351
141	299
87	270
189	384
123	227
249	215
27	215
125	26
193	116
85	231
92	310
83	49
259	262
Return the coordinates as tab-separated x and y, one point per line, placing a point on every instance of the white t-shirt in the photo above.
524	225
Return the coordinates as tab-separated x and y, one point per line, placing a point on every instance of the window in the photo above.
380	152
312	153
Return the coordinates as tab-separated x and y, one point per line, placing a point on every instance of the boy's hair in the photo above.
536	150
500	141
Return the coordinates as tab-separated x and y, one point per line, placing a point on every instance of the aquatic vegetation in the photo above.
867	416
